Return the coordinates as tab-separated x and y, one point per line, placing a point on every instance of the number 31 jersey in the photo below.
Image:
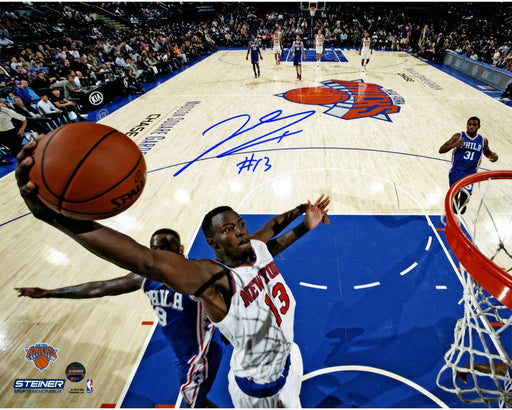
259	323
466	159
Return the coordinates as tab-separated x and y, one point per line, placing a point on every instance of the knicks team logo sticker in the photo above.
41	354
349	100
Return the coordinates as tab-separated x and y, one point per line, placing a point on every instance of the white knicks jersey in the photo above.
366	44
259	323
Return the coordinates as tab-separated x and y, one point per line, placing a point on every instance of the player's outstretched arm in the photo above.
278	223
173	270
315	213
96	289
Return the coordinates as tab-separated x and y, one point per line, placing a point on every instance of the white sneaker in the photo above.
362	69
317	64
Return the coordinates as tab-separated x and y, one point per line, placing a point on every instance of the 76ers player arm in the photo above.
95	289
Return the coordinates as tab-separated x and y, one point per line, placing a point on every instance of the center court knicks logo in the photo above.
41	354
349	100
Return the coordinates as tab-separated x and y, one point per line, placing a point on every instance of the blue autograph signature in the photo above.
272	118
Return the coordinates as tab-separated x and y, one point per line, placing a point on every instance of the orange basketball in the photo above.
41	362
88	171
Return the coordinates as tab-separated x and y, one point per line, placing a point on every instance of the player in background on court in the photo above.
468	148
319	46
276	46
365	50
298	55
241	290
254	50
192	336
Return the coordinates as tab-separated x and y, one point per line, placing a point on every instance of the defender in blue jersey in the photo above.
254	50
468	148
195	341
298	55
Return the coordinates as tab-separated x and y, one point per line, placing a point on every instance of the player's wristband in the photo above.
302	208
300	230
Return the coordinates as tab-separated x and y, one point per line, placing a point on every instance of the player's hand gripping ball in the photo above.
88	171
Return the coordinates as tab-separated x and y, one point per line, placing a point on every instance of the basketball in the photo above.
88	171
41	362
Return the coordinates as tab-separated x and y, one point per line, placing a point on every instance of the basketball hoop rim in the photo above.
492	278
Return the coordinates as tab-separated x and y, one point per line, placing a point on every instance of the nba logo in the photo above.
89	386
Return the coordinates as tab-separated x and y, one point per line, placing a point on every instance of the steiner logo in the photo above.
38	385
349	100
41	354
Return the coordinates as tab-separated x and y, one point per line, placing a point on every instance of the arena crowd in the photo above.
68	46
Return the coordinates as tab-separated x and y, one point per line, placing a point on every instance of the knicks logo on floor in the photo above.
41	354
349	99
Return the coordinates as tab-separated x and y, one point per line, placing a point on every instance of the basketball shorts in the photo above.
365	54
454	176
319	49
288	396
196	378
297	60
277	49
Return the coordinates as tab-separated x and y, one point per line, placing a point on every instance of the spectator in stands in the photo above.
151	63
120	61
69	86
68	107
27	94
61	53
130	81
105	72
31	72
5	43
35	121
14	64
10	135
439	48
41	81
179	53
46	108
82	79
21	73
135	70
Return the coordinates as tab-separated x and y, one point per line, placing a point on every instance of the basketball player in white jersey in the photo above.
242	291
319	46
276	46
365	50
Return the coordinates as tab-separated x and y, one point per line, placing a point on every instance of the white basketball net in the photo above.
477	366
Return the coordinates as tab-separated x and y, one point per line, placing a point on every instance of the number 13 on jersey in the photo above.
279	292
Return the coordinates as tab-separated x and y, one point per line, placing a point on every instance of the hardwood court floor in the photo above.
256	151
